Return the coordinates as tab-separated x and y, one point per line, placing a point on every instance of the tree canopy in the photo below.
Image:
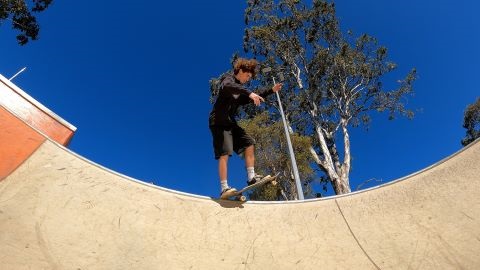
333	81
21	15
272	157
471	122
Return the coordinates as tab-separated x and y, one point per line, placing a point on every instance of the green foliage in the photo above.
20	13
332	80
339	74
471	122
272	157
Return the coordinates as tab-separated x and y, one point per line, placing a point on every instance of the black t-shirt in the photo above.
232	94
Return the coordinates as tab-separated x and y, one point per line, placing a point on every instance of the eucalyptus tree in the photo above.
21	15
471	122
272	157
332	80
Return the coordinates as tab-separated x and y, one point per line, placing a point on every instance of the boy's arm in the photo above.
261	94
233	88
230	87
245	96
264	92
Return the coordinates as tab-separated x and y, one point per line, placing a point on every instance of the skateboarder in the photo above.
227	135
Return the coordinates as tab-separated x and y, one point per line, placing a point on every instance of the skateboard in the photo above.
238	195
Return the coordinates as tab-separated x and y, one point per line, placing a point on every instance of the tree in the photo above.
271	157
21	15
332	80
471	122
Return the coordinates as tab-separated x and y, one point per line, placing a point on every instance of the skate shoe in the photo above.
227	192
255	179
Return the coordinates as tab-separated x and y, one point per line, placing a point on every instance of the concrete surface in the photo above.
61	211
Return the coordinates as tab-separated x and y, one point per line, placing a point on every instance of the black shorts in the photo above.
228	140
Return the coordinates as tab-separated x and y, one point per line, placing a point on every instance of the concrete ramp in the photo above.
61	211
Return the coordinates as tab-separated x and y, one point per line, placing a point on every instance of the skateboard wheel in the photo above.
242	198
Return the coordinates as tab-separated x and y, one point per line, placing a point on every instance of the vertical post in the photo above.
16	74
290	149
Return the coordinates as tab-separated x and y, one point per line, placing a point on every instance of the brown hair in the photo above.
247	65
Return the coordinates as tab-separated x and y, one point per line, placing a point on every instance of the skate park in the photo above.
59	210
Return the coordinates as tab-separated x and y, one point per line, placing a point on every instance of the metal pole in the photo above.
290	149
16	74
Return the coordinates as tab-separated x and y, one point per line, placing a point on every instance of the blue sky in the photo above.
134	80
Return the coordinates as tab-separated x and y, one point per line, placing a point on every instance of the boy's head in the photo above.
244	69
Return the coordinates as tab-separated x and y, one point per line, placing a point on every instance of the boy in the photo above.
227	135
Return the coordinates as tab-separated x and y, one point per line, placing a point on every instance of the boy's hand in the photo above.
256	98
277	87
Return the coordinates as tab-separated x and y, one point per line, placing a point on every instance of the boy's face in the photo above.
243	77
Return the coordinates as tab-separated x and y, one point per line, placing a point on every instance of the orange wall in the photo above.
17	142
17	139
34	116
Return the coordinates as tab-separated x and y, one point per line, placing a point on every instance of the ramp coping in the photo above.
195	196
37	104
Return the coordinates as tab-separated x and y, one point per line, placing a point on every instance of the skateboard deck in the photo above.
238	195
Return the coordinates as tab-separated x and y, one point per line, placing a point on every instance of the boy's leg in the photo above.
250	165
223	171
250	156
223	148
245	144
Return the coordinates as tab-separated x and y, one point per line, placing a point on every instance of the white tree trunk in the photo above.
339	175
345	171
337	172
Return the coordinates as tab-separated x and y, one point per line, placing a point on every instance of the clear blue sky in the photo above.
134	80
